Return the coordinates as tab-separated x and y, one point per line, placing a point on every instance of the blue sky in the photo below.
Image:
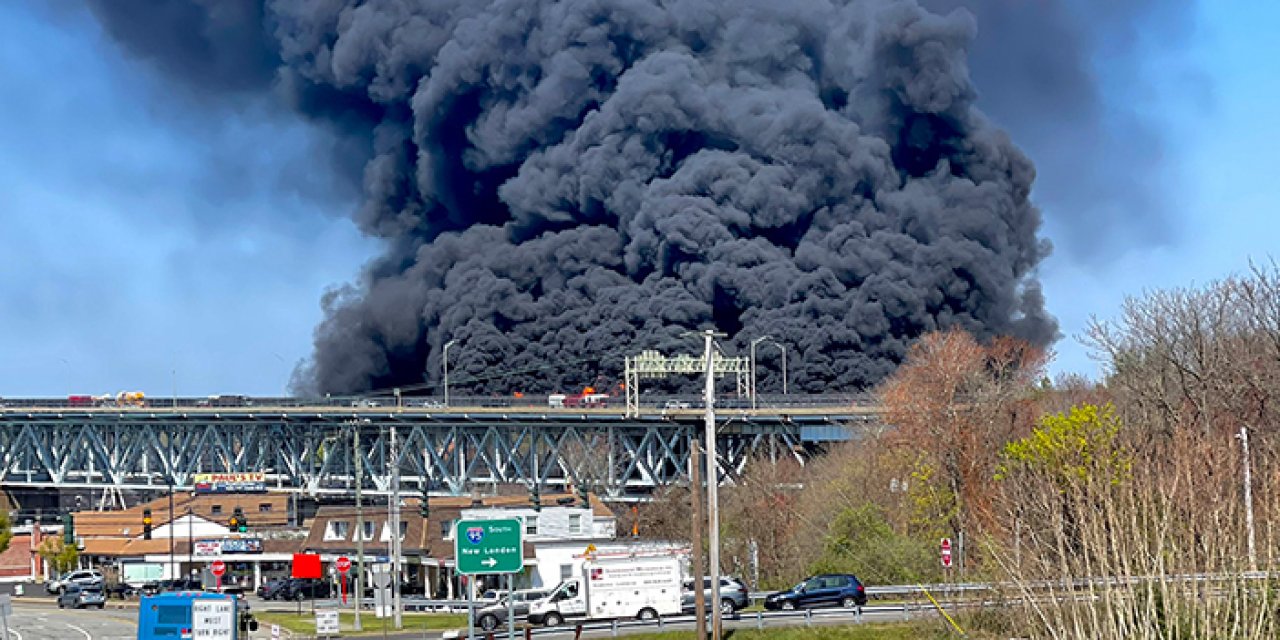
147	246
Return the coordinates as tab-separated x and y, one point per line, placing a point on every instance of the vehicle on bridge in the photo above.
640	587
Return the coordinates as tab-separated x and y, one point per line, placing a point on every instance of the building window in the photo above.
566	571
446	529
368	530
386	530
575	523
337	530
264	507
216	509
531	525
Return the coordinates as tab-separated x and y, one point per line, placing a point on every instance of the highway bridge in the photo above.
310	446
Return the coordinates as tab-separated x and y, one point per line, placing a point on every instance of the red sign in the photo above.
343	564
306	565
946	552
219	568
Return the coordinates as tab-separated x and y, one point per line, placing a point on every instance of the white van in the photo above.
625	587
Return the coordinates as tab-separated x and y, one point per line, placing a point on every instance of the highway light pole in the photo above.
753	367
444	361
784	366
713	481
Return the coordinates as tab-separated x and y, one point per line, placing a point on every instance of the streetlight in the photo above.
784	365
753	367
445	362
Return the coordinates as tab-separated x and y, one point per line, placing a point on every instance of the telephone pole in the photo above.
695	495
713	481
1248	499
359	581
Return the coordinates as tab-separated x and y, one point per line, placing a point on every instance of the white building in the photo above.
561	538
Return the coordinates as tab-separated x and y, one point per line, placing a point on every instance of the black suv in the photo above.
304	588
828	590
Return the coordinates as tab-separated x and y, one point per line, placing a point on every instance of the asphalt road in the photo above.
43	622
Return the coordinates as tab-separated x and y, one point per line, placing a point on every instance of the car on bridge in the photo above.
827	590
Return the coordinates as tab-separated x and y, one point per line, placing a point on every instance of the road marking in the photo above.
86	633
14	633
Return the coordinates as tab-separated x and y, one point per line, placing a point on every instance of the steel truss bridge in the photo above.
312	450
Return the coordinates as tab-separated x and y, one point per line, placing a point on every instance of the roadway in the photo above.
45	622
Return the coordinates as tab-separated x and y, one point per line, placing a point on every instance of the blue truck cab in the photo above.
193	615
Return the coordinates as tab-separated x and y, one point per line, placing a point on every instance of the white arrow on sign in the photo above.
489	562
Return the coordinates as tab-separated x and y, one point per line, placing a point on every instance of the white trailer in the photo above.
642	587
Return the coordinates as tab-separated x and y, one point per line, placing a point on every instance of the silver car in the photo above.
78	597
495	615
733	595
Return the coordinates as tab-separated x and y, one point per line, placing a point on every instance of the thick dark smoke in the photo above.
562	183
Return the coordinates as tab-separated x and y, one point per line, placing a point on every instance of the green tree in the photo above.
1079	446
62	557
6	531
861	541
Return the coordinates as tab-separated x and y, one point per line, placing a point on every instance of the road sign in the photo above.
343	564
275	632
326	622
488	546
946	552
212	619
219	568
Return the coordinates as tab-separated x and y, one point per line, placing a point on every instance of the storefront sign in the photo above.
248	482
228	546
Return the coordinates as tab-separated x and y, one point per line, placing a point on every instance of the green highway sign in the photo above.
488	546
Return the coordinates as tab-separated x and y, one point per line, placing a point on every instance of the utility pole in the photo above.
393	524
713	481
359	581
695	495
1248	498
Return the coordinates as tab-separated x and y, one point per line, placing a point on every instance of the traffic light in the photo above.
68	529
425	507
238	522
146	524
536	497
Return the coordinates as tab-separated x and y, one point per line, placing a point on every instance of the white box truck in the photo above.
624	587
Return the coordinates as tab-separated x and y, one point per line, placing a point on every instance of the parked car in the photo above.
79	597
304	588
270	590
495	615
185	584
829	590
82	577
733	595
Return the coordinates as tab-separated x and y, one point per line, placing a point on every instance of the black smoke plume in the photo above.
562	183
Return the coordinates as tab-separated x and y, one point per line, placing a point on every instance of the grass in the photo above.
306	623
919	630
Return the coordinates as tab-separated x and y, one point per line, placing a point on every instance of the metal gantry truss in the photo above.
650	365
312	452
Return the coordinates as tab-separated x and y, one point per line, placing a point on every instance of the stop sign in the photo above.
343	564
218	568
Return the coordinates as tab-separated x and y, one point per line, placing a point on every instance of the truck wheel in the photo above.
488	622
554	620
647	614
